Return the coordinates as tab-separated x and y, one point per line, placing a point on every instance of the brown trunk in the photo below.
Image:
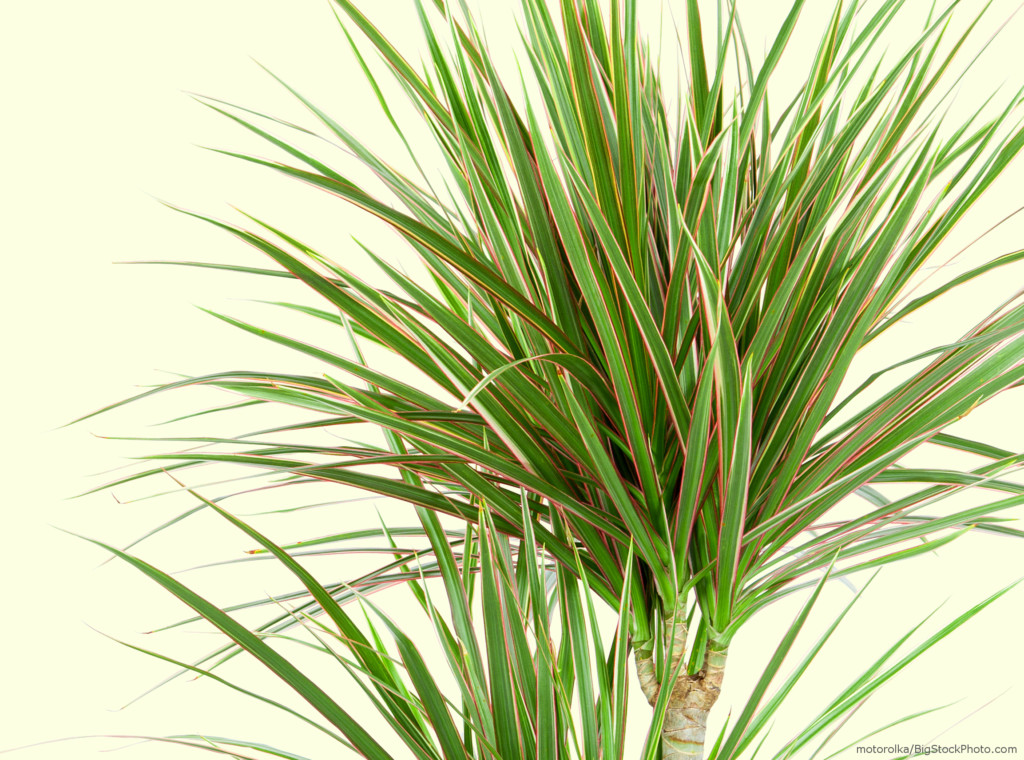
692	696
686	719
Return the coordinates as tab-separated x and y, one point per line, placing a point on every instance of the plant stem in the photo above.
692	696
686	719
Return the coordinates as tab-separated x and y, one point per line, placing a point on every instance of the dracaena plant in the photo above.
620	366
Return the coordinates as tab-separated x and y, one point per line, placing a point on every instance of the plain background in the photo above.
95	128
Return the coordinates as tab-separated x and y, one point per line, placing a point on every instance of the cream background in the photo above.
95	126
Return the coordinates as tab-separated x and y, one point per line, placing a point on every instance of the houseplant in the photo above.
624	361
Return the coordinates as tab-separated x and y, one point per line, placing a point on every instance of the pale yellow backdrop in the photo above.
96	127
